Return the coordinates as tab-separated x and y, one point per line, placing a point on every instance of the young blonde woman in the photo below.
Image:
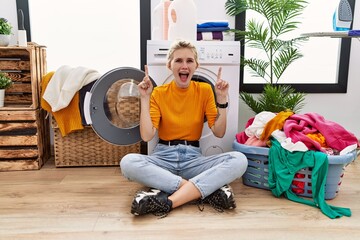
176	171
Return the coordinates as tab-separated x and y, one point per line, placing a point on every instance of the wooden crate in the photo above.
25	66
24	139
86	148
24	132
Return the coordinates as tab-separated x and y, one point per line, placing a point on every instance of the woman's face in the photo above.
183	66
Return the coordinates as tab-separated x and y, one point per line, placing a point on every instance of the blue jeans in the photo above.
168	165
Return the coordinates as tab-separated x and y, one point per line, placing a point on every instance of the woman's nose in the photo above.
184	65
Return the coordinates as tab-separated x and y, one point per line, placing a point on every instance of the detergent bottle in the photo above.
157	16
182	15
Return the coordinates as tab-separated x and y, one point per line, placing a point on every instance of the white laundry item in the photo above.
64	84
228	36
287	144
260	120
207	36
348	149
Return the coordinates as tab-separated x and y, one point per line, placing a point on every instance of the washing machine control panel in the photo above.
203	54
210	52
218	54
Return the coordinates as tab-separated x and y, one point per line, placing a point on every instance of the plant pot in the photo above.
4	40
2	97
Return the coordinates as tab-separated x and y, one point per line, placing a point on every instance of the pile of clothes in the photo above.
297	132
299	141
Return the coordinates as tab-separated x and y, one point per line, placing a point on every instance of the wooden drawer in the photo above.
24	139
25	66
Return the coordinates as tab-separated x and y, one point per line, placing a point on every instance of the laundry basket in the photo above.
257	172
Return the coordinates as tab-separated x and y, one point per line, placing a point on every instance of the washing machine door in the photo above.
112	107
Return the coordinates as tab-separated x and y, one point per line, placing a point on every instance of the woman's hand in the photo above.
145	87
221	89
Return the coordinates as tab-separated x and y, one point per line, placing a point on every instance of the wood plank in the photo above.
14	65
14	52
19	88
20	76
19	165
19	99
35	78
11	115
18	140
19	153
18	127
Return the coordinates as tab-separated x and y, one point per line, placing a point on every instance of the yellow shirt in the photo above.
179	113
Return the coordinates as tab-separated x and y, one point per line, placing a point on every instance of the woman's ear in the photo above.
168	65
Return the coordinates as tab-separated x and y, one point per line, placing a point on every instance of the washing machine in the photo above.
212	55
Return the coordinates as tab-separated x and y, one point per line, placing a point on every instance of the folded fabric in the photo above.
211	36
213	24
65	83
212	29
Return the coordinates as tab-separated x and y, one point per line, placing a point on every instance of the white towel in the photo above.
258	125
64	84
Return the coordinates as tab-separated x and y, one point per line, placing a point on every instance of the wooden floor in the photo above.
94	203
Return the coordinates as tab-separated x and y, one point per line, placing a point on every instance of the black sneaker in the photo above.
221	199
153	201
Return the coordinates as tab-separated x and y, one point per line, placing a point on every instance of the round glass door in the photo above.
122	103
114	106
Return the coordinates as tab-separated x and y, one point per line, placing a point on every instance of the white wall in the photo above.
114	40
102	35
8	11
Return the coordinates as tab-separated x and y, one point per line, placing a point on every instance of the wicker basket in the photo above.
257	172
85	148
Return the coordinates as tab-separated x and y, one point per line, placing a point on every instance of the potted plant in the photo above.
5	32
5	82
266	33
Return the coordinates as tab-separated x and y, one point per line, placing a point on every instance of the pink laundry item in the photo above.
242	137
298	125
254	141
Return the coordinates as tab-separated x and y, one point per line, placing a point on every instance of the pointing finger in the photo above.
219	73
146	71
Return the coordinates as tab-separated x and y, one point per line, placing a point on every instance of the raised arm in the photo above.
221	92
145	87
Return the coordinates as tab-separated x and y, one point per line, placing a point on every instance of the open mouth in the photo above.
183	76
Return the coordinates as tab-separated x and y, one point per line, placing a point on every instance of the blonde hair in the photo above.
179	44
